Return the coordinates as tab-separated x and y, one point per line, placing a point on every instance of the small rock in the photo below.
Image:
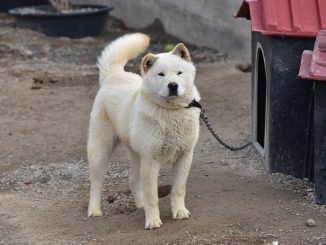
244	67
36	86
37	83
111	199
27	182
44	178
53	80
66	176
46	50
311	223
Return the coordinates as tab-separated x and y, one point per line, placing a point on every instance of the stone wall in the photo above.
208	23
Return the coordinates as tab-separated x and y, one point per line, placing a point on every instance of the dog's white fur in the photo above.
155	127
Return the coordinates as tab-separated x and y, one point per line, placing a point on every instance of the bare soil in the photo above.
47	87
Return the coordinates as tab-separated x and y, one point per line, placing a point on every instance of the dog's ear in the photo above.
181	50
147	62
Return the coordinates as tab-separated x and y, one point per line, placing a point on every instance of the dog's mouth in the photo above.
173	93
169	96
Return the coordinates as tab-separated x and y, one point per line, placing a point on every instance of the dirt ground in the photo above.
47	86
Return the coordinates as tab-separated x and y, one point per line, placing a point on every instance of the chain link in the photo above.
222	142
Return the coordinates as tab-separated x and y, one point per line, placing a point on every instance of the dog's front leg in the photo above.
149	171
178	192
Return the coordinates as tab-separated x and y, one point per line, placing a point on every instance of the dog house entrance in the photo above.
260	80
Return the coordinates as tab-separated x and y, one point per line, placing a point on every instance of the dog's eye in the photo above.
180	72
161	74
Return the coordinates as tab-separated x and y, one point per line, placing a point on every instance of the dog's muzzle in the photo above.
173	89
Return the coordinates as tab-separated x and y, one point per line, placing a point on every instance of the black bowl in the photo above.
90	21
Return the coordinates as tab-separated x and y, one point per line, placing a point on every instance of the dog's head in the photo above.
168	78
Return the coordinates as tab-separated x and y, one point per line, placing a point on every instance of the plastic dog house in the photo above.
313	67
282	104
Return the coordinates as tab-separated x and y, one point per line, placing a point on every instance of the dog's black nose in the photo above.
173	86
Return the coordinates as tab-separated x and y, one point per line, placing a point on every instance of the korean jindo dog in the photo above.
151	115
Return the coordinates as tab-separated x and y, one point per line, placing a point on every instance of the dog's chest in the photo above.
174	135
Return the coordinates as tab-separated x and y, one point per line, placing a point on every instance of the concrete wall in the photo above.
208	23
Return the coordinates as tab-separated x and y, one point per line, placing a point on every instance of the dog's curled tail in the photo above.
117	53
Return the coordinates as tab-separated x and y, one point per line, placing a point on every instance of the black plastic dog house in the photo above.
282	105
313	67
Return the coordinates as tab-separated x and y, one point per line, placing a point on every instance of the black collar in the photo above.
194	103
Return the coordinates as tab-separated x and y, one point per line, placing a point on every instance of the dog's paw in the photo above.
94	212
153	223
180	213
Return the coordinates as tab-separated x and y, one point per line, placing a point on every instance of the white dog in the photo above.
151	115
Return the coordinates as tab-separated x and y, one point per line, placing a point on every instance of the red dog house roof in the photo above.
285	17
313	63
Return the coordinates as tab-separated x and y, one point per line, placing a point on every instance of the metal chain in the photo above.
222	142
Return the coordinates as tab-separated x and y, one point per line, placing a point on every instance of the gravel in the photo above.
45	178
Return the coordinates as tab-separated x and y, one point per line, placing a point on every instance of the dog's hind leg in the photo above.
135	179
101	142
